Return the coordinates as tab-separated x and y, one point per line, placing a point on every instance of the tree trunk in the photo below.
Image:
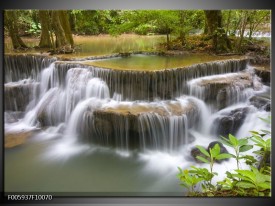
60	40
228	22
64	20
45	40
11	22
220	42
243	25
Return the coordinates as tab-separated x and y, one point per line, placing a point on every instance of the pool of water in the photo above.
46	164
155	62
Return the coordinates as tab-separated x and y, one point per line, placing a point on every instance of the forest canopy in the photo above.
224	29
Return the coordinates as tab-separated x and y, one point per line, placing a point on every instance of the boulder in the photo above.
264	74
221	90
229	123
260	102
136	125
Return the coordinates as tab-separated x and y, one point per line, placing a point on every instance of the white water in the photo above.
165	134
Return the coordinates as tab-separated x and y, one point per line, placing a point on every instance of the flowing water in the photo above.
98	131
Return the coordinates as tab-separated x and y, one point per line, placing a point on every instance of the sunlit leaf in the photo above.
223	156
203	150
202	159
245	148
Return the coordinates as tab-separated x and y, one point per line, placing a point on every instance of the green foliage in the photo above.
255	181
239	146
203	175
188	180
34	29
92	22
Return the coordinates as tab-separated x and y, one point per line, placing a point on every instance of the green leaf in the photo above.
203	150
215	150
247	173
233	140
258	139
268	143
225	142
265	185
246	185
202	159
245	148
242	142
266	131
223	156
254	132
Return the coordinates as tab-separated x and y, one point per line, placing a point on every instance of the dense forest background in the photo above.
217	31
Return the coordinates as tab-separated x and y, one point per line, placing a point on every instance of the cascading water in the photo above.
135	111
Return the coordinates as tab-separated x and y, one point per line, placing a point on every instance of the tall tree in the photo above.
61	28
11	23
64	20
60	38
219	38
256	18
45	37
242	27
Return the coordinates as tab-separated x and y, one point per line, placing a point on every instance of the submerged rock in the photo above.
13	139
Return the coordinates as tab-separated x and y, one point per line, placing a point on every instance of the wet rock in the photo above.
260	102
264	74
221	91
162	84
258	59
230	122
18	95
11	117
130	124
13	139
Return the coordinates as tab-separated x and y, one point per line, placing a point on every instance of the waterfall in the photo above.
163	133
223	90
133	110
150	85
18	67
97	88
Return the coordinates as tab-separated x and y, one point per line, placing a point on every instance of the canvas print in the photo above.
137	102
